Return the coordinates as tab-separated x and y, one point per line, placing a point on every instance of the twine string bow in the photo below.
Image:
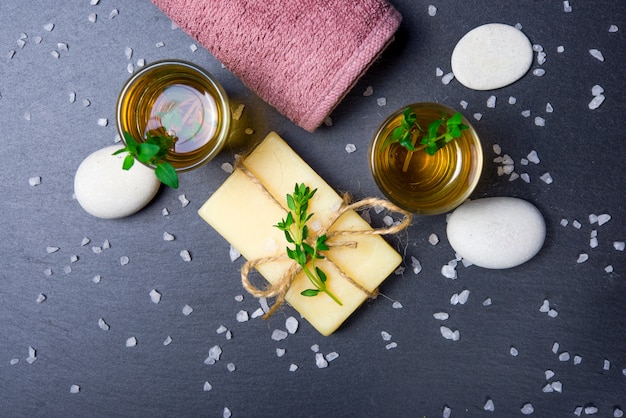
279	289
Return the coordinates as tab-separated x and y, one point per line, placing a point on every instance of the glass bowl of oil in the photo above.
182	99
421	183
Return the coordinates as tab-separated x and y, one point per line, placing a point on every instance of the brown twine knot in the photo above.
279	289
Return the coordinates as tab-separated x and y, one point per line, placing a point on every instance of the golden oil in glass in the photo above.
183	100
422	183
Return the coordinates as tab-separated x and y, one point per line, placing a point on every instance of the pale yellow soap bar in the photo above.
244	215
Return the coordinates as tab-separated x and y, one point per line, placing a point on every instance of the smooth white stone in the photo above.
491	56
496	232
107	191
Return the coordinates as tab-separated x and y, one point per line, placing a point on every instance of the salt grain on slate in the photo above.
478	116
463	104
291	324
381	101
350	148
257	313
242	316
85	241
590	410
293	367
103	325
447	78
320	361
155	296
582	258
546	178
131	342
448	334
596	54
187	310
391	346
596	102
34	181
491	102
416	265
396	305
618	413
539	121
487	302
49	27
185	255
555	347
40	298
14	361
74	389
233	253
207	387
619	245
124	260
564	356
215	353
279	335
92	17
446	412
231	367
432	10
183	200
433	239
606	365
226	413
549	374
449	271
96	278
527	409
577	360
385	336
489	406
567	8
315	348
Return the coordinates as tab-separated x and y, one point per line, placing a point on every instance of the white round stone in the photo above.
491	56
107	191
496	232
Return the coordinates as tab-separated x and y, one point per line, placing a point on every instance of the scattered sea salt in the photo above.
168	237
279	335
432	10
47	272
539	72
449	271
448	334
545	307
613	28
96	278
596	102
396	305
227	167
526	113
618	413
233	253
74	389
159	44
385	336
604	218
49	27
527	409
391	345
446	412
187	310
185	255
546	178
315	348
332	356
552	313
549	374
369	90
242	316
491	102
34	181
478	116
489	406
226	413
463	104
619	245
320	361
193	47
155	296
555	347
124	260
442	316
215	353
576	224
609	269
131	342
168	340
564	356
567	8
433	239
487	302
280	352
207	387
350	148
231	367
591	410
416	265
438	72
92	17
447	78
582	258
514	352
183	200
381	101
560	49
293	367
596	54
539	121
51	250
497	149
40	298
512	100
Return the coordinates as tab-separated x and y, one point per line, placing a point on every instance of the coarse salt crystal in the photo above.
168	237
591	410
215	353
315	348
567	8
491	102
416	265
497	149
40	298
381	101
131	342
576	224
396	305
391	345
438	72
555	347
185	255
442	316
549	374
463	297
596	102
448	334
539	72
207	387
124	260
619	245
226	413
527	409
293	367
233	253
385	336
320	361
279	335
578	360
92	17
231	367
597	90
487	302
564	356
187	310
514	352
609	269
582	258
526	113
552	313
280	352
433	239
168	340
159	44
155	296
446	412
291	324
449	271
350	148
539	121
332	356
463	104
489	406
242	316
546	178
478	116
564	222
74	389
96	278
606	365
597	54
49	27
432	10
604	218
34	181
447	78
183	200
369	90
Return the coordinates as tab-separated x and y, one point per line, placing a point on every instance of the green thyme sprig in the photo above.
297	232
410	131
153	151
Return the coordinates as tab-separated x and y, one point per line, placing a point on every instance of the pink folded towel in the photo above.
300	56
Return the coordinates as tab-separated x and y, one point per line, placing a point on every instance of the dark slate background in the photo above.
583	151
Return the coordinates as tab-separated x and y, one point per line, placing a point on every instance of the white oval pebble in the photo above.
496	232
107	191
491	56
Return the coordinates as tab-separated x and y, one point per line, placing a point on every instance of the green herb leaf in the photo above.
310	292
129	160
167	174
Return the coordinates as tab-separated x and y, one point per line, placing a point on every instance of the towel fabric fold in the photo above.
300	56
